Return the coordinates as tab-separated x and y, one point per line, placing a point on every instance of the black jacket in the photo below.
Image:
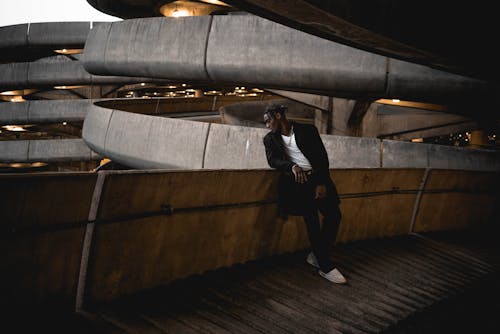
293	198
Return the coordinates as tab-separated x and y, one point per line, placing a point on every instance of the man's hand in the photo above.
300	175
320	191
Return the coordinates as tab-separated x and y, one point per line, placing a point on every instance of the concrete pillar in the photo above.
341	111
321	120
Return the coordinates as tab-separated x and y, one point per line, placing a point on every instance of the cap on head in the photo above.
273	109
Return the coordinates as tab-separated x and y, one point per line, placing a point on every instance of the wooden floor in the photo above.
391	282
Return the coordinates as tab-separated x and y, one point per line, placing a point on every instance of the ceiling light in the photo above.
67	87
68	51
17	99
216	2
180	13
14	128
9	92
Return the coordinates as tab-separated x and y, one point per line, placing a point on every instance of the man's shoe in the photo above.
311	259
334	276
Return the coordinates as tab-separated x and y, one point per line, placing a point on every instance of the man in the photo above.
305	186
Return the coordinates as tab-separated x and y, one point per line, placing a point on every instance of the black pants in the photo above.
322	238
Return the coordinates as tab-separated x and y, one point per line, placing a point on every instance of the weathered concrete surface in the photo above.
31	41
235	147
352	152
178	54
50	150
15	151
237	51
33	112
54	71
53	34
405	154
141	141
385	27
145	141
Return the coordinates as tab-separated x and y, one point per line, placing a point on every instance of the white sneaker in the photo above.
311	259
334	276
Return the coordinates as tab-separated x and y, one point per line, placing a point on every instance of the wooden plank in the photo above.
137	254
129	193
45	199
42	268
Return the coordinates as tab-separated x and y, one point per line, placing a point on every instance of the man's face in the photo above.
271	122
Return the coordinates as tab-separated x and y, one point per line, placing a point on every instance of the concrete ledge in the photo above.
54	71
462	158
405	154
14	151
237	51
235	147
34	112
95	128
145	141
46	150
149	142
352	152
54	34
133	47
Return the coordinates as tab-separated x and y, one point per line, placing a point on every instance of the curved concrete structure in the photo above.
149	142
55	71
51	150
255	51
30	41
445	35
33	112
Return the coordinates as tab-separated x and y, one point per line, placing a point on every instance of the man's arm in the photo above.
274	158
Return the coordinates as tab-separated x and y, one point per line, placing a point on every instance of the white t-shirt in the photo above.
295	153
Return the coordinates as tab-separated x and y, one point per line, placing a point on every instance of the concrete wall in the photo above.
46	150
145	142
235	49
406	154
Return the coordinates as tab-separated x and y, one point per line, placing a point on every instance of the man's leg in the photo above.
318	245
331	223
